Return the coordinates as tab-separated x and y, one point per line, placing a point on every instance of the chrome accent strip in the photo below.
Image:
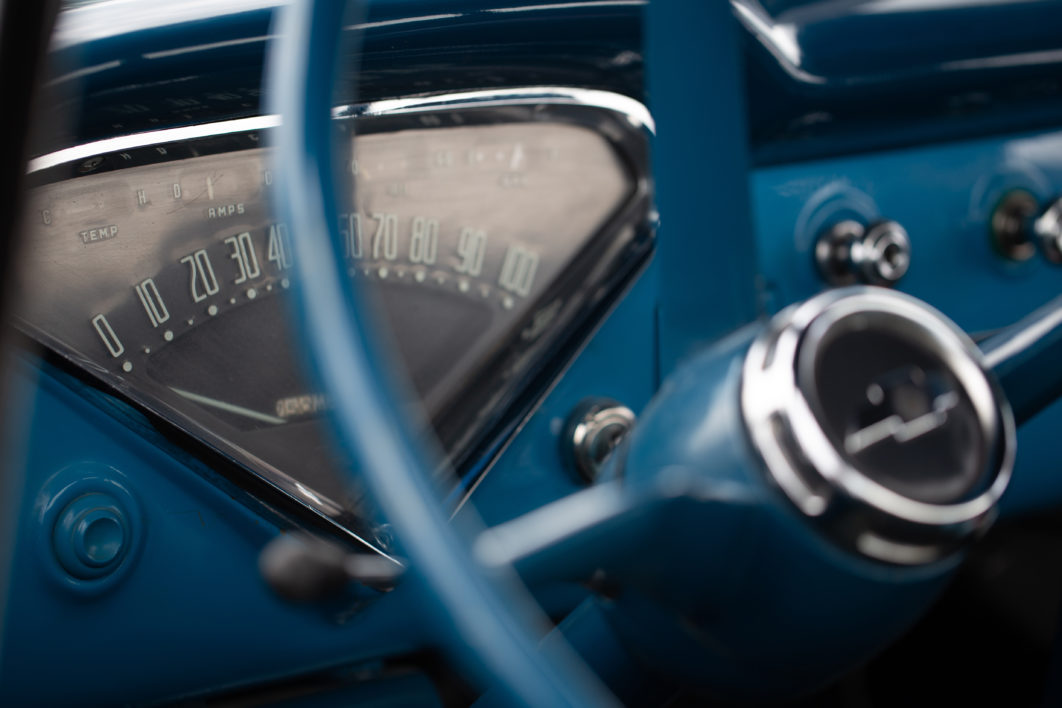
166	53
1022	340
636	112
566	6
404	21
154	137
86	71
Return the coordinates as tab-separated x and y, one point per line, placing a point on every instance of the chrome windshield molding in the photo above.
785	420
151	139
636	112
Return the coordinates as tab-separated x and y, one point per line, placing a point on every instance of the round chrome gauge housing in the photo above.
877	418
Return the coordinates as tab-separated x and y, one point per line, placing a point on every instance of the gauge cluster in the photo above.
487	232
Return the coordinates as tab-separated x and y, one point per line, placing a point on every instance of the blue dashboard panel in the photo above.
830	78
188	611
944	195
618	362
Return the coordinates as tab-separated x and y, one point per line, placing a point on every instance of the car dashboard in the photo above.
530	264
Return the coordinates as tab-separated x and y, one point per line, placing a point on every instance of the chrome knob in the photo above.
594	430
850	253
1019	228
1048	231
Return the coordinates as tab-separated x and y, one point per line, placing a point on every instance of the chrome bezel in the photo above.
619	249
798	456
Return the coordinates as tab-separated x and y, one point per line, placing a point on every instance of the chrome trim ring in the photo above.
785	425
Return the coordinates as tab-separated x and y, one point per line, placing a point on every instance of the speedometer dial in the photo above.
487	236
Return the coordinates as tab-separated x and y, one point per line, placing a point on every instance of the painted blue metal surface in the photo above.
619	363
944	196
192	615
857	75
763	606
1025	357
705	249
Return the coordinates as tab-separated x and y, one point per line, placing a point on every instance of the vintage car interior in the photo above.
515	352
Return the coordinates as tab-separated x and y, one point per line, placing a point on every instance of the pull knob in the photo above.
1048	230
850	253
1020	228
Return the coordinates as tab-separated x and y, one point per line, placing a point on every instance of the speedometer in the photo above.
487	229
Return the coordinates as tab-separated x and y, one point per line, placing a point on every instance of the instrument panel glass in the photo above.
166	280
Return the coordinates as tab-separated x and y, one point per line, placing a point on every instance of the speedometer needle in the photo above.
229	407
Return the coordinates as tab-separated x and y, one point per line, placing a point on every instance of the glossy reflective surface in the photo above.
167	280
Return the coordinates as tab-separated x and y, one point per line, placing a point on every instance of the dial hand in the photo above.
895	427
229	407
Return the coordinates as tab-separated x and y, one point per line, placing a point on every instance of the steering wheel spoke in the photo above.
614	530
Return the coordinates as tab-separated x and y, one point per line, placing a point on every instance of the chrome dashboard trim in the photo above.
134	149
636	112
150	139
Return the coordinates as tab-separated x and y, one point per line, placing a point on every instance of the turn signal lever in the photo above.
1027	359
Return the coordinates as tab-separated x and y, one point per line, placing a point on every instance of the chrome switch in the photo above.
851	253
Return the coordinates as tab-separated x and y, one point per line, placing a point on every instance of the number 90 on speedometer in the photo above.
161	270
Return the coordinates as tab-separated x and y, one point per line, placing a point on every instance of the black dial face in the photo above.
167	280
895	411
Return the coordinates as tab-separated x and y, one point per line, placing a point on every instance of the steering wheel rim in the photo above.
25	29
490	621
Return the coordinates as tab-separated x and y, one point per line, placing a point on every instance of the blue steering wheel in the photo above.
489	621
485	615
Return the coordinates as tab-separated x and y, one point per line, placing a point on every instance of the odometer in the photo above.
487	236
